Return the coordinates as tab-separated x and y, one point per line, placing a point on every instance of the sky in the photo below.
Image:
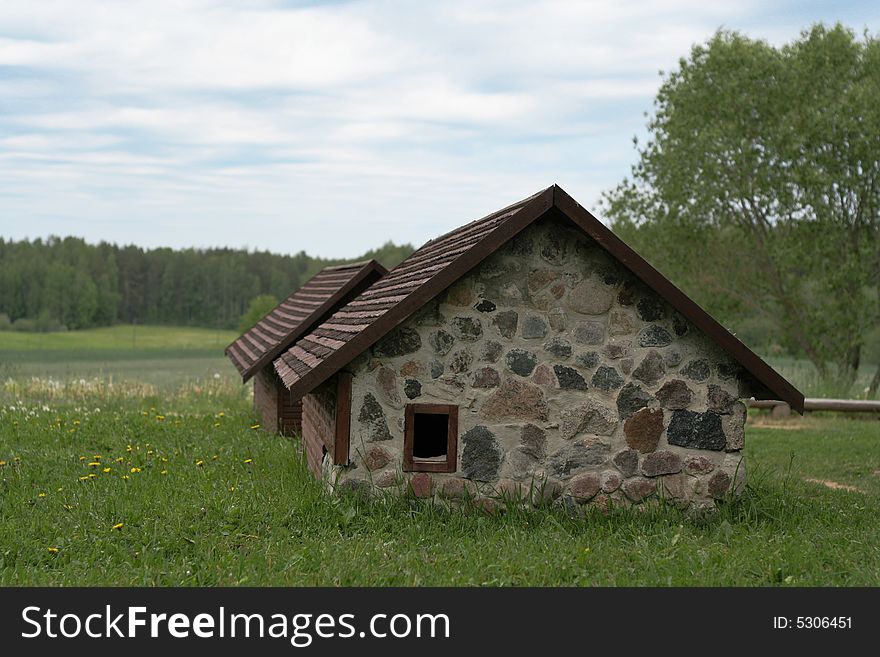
332	127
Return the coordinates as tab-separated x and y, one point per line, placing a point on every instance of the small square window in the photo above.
430	442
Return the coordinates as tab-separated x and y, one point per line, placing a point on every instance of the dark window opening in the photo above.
431	438
430	435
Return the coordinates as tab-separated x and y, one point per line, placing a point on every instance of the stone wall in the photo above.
573	381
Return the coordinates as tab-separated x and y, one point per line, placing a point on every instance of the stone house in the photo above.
252	352
530	353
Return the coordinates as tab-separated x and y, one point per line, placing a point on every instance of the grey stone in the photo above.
412	388
607	379
696	370
540	278
651	369
719	484
399	342
457	488
436	368
559	347
637	488
516	400
626	366
672	358
386	382
441	342
621	322
661	463
650	309
590	416
386	479
627	294
372	420
727	370
654	336
533	440
719	400
569	378
356	488
591	297
610	481
585	486
589	333
460	361
552	248
481	457
521	462
734	427
533	328
696	430
631	399
486	377
376	458
468	329
460	293
675	395
557	319
679	325
588	360
506	322
572	458
490	351
485	306
627	462
643	429
615	350
695	465
520	361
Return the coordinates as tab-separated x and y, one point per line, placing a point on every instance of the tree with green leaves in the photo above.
258	308
760	185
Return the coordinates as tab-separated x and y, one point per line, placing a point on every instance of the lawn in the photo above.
135	483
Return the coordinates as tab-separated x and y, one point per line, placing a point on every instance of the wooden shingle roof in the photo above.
364	320
300	312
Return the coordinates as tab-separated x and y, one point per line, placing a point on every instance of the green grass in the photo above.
267	522
120	338
227	521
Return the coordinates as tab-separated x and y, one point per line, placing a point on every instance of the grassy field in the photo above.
131	484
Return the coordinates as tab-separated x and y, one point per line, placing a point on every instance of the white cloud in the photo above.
203	122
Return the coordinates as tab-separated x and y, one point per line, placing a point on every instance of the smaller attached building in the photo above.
253	352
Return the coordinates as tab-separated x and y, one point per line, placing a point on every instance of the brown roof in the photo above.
359	324
297	314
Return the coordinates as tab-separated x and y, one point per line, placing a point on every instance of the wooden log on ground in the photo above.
819	404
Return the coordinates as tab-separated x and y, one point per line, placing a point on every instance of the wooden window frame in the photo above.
411	464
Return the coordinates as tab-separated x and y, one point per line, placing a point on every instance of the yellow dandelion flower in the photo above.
129	449
105	470
135	470
215	457
221	414
159	418
120	459
85	478
119	525
126	477
67	507
92	475
97	457
231	488
144	413
76	423
2	463
72	431
82	458
200	463
164	459
149	451
94	464
255	426
248	461
41	495
164	472
53	550
216	424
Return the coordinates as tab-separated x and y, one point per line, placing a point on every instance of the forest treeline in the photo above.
67	283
